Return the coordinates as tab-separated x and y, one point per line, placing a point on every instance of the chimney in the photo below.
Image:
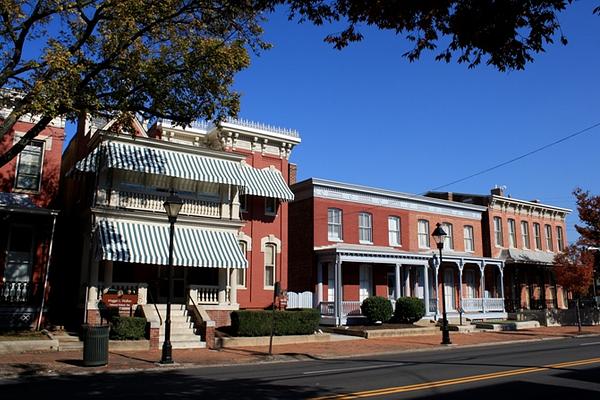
292	172
498	190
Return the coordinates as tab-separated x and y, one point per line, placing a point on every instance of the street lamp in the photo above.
439	235
172	206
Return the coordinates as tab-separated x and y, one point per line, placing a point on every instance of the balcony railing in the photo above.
206	294
154	203
15	292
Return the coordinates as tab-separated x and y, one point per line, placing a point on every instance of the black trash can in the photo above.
95	345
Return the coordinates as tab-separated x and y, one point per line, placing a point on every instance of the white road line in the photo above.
325	371
589	344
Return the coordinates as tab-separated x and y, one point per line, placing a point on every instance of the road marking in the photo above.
589	344
456	381
325	371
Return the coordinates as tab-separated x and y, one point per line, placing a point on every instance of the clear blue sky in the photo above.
368	116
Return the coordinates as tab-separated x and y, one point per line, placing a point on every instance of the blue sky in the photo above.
368	116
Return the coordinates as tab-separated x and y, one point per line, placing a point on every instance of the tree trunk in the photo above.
578	315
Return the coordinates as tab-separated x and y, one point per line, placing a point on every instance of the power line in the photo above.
589	128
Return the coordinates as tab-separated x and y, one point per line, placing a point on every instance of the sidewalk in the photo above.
70	362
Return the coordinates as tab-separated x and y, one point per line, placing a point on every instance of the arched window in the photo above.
270	264
241	273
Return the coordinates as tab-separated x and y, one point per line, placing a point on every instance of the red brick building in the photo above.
28	189
230	236
526	235
351	242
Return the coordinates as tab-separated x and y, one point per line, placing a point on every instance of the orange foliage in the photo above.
574	269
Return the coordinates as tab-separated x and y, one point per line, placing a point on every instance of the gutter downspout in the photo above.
46	273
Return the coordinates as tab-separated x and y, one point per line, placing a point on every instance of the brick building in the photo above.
28	189
352	241
230	236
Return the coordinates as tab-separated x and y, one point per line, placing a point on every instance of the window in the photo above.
423	232
498	231
559	238
241	272
537	233
270	206
334	224
512	233
394	231
365	232
449	239
19	257
243	203
469	239
549	245
525	234
270	254
29	169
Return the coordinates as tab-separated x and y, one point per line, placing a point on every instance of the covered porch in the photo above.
348	274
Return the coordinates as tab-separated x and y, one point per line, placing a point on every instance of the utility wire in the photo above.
589	128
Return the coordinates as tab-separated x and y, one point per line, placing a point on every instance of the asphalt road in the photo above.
565	368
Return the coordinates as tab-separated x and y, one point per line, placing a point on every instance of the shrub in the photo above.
128	328
377	308
258	322
409	310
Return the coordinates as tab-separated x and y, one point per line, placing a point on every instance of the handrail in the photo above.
155	307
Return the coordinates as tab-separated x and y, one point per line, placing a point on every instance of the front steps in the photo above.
183	335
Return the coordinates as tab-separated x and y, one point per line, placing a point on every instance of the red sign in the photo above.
119	300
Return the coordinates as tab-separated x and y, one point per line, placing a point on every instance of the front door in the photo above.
449	289
178	284
366	282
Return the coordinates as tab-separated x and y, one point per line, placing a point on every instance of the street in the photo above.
568	368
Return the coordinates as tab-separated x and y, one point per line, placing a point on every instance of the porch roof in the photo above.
136	242
187	165
22	203
527	256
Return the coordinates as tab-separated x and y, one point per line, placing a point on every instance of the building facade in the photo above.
526	235
231	234
28	188
352	242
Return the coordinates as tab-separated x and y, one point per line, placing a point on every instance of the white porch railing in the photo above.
348	308
205	294
154	203
478	304
299	300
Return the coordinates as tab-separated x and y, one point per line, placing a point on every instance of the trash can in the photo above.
95	345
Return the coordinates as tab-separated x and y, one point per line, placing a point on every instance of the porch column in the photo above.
222	285
338	291
501	268
397	281
319	298
407	291
437	291
461	265
108	273
482	285
235	203
426	287
233	291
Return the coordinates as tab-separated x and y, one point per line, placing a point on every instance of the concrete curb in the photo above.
26	346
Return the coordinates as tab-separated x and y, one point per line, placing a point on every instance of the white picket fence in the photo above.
299	300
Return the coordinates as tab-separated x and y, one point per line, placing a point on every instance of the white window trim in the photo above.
399	231
39	188
526	245
427	245
465	228
271	239
341	238
512	235
362	241
449	228
242	237
500	230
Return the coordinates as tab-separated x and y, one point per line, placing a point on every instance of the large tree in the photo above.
176	59
588	207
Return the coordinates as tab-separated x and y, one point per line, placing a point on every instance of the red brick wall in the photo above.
302	271
221	317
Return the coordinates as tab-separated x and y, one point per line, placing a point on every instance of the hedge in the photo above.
128	328
377	308
409	310
289	322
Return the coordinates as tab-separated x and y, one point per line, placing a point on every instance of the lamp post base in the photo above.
167	357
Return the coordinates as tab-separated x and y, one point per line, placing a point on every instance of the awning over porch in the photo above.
527	256
135	242
179	164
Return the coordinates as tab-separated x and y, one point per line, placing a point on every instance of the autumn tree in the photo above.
174	59
588	207
574	271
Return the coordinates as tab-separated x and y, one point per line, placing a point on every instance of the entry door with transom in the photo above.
366	281
449	289
178	284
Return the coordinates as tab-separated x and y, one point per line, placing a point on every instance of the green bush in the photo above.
409	310
377	308
128	328
289	322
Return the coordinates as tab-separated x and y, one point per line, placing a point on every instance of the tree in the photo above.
574	269
588	207
173	59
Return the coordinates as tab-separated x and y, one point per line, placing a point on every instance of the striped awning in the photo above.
267	182
144	159
136	242
163	162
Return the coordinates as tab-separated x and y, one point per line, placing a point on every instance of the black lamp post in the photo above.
172	206
439	235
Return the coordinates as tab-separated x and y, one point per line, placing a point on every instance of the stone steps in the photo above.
182	326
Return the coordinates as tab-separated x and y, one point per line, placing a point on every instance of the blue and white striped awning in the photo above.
135	242
145	159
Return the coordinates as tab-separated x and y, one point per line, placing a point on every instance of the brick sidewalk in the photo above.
70	362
